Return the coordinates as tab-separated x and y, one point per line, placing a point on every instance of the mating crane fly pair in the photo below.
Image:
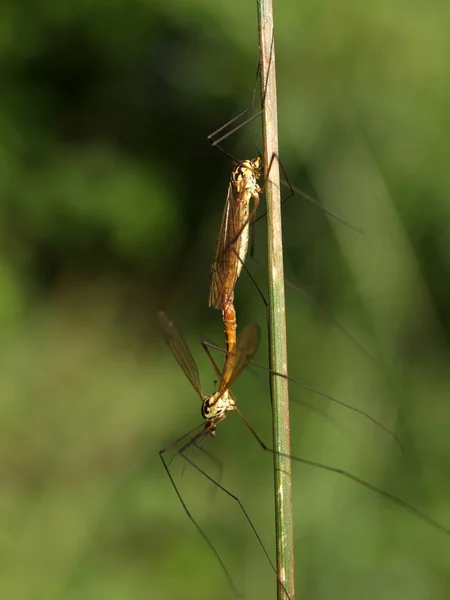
229	258
230	254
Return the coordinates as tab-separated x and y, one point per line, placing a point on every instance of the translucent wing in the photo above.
181	351
231	247
221	267
247	345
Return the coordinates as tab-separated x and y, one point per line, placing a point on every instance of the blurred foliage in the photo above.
110	202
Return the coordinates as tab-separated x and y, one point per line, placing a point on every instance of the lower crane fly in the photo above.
215	406
214	409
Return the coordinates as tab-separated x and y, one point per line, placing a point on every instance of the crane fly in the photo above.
216	405
231	250
214	410
233	240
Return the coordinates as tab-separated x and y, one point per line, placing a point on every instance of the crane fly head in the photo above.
214	409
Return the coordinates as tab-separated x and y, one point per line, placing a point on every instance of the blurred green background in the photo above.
110	203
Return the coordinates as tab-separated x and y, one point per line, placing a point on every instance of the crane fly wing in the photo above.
224	252
181	351
232	242
247	345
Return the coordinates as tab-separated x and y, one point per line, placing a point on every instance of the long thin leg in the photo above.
324	311
314	409
197	526
207	344
294	286
293	190
211	457
297	288
383	493
249	521
196	446
215	143
217	462
183	437
297	191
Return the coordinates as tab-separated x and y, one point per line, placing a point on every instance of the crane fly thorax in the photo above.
245	176
214	407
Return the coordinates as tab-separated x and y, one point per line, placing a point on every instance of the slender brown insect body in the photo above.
231	249
216	405
214	410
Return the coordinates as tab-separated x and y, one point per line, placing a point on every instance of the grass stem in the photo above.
277	311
